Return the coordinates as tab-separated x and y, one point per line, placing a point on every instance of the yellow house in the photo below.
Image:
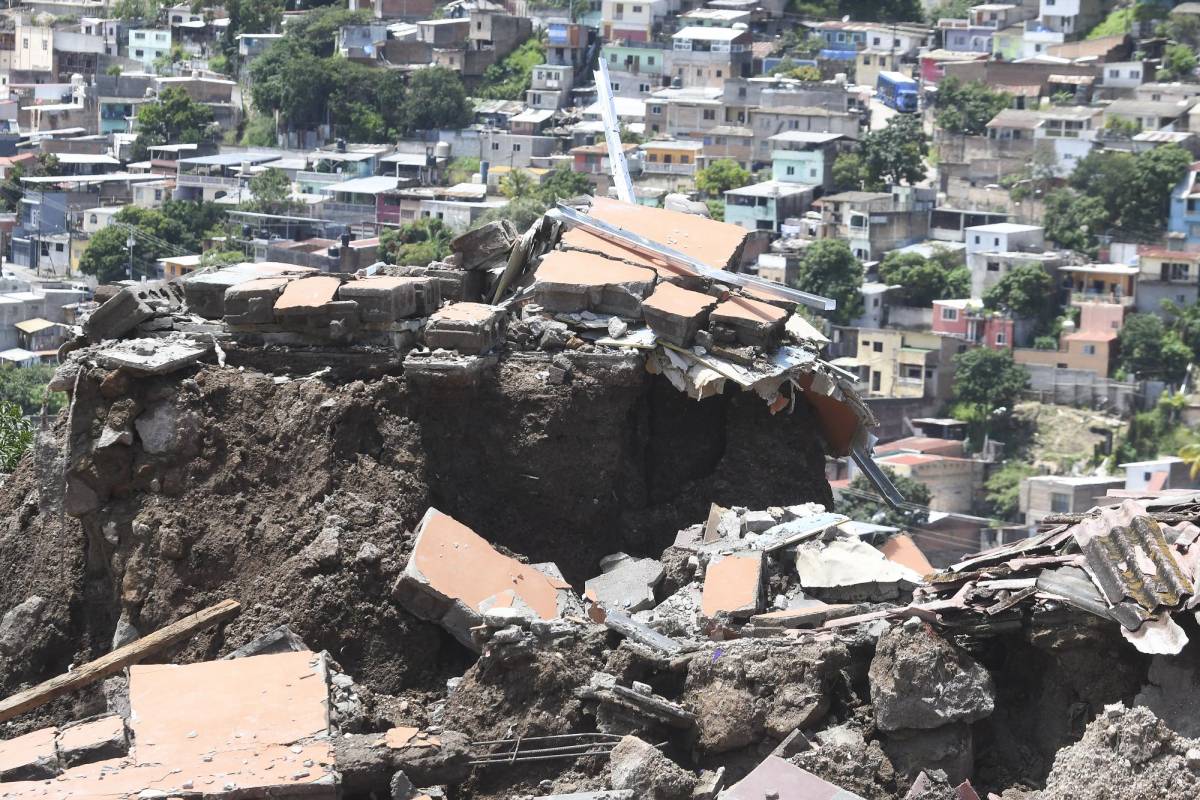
671	156
896	363
178	266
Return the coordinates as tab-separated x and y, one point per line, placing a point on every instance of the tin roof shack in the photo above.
764	206
1043	495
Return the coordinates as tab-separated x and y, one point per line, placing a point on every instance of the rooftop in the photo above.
770	189
714	34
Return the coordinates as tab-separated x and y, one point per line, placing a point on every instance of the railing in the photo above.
1098	297
187	179
669	169
344	211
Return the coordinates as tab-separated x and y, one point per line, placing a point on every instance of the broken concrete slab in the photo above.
253	302
620	622
306	295
568	281
453	576
153	356
636	765
469	328
205	291
919	680
128	308
30	757
385	299
675	314
782	780
733	585
850	570
628	585
92	740
717	244
480	247
752	322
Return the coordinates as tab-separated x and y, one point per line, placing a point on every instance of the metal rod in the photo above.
877	476
627	238
612	133
612	737
576	748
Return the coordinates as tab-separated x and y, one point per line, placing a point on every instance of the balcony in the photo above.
657	167
1099	297
189	179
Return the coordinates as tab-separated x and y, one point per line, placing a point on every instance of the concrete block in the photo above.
456	284
629	585
569	281
93	740
302	297
752	322
677	314
472	328
733	585
205	292
30	757
253	302
387	299
128	308
153	355
485	244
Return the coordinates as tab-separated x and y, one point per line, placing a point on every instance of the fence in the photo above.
1081	387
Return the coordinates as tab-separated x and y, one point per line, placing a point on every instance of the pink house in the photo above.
933	63
966	319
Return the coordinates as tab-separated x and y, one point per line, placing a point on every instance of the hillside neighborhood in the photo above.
279	264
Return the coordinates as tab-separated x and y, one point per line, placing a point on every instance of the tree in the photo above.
829	269
849	173
722	175
923	280
521	213
317	30
510	78
436	99
200	219
967	108
271	193
787	68
249	16
517	185
1026	292
564	183
896	154
1179	61
988	379
861	501
16	434
289	80
154	234
1073	220
1148	199
26	388
417	243
175	119
1003	489
1149	350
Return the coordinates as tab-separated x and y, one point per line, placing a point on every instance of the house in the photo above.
953	483
177	266
913	364
1073	18
968	320
873	223
1166	274
1123	77
1147	115
933	63
1184	219
550	86
1093	347
1158	475
567	43
948	224
768	121
1043	495
215	176
733	142
702	56
147	45
635	68
683	112
631	21
717	17
592	159
985	245
517	151
1098	283
1070	131
804	157
97	219
869	63
764	206
671	157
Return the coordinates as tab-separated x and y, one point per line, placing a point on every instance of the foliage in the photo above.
517	184
1153	433
828	268
113	70
798	41
859	502
1003	489
1179	62
317	30
220	64
460	169
249	16
988	379
895	154
1148	349
849	172
968	107
129	10
16	434
1123	127
1072	220
510	78
271	193
787	68
564	183
716	209
631	137
1182	28
175	119
259	132
417	243
923	280
436	99
1026	292
155	235
951	9
521	213
222	258
26	388
720	176
1045	343
1118	22
199	219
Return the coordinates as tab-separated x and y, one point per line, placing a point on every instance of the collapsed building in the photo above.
544	519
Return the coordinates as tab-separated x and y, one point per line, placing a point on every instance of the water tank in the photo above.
1068	326
442	150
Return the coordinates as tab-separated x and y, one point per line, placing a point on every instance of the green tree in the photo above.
417	243
564	183
155	235
461	169
317	30
436	99
16	434
967	108
175	119
200	219
1026	292
1148	349
510	78
1179	62
829	269
517	184
1148	198
26	387
988	379
249	16
923	280
1073	220
861	501
722	175
850	173
787	68
1003	490
271	193
895	154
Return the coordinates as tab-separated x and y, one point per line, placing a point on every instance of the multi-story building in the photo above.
1043	495
1093	347
803	157
1073	18
898	363
550	86
764	206
1166	274
567	43
954	483
872	223
708	56
993	250
671	156
1184	219
1071	131
632	20
684	113
968	320
147	45
767	122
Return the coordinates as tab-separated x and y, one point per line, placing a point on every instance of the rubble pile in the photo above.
556	504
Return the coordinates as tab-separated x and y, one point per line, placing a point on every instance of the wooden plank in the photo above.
117	660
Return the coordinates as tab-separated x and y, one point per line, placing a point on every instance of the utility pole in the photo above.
130	242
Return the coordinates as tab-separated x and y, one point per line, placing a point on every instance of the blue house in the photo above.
1185	207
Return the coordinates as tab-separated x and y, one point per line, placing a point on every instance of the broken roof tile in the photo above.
306	294
902	550
733	585
717	244
781	779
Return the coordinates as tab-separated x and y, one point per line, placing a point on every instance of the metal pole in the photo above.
612	133
129	242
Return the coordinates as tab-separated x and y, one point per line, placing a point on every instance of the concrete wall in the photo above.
1076	387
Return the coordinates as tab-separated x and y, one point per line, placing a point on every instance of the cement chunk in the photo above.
470	328
253	302
29	757
152	356
484	244
640	767
93	740
752	321
675	314
733	585
629	585
387	298
570	281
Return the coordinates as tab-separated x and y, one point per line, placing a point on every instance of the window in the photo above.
699	73
876	40
949	314
643	87
684	160
1001	338
875	302
741	91
995	241
139	35
993	266
864	343
1147	476
791	170
516	148
140	53
877	347
616	87
637	9
812	173
58	247
1060	503
1114	73
874	381
866	61
25	43
93	219
1089	349
976	239
158	194
710	113
650	60
719	73
656	110
45	249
